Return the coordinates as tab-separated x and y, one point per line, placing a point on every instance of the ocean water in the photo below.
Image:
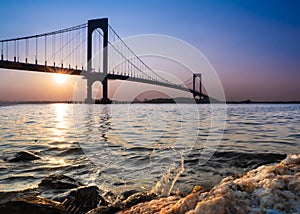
161	147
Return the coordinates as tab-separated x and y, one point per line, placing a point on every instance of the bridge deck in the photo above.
78	72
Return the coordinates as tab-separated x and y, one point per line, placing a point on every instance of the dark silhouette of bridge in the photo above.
76	51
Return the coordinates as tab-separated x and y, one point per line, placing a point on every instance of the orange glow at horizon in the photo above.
35	86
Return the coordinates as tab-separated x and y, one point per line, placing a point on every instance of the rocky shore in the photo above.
272	189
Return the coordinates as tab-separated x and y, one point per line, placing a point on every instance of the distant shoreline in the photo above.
152	101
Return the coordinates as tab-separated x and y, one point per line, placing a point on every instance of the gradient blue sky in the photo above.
253	45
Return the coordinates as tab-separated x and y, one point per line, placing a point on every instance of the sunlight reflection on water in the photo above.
136	157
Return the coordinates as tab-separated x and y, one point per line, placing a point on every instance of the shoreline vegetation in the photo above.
272	188
183	100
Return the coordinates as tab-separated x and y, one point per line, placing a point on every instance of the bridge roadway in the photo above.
98	76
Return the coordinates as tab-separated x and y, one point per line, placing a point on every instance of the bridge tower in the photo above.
195	77
93	76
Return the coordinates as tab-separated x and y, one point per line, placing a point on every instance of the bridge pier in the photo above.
91	79
89	95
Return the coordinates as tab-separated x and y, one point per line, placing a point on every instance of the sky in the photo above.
254	46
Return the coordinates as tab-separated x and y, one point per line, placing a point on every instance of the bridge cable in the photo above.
50	33
136	55
121	53
65	46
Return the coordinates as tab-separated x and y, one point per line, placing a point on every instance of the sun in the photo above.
60	78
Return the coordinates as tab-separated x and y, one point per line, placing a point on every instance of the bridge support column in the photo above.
89	98
105	98
200	85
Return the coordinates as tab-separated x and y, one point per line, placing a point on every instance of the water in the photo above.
124	147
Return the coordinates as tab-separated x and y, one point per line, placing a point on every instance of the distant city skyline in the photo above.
254	46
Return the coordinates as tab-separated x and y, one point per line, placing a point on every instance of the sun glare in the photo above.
60	78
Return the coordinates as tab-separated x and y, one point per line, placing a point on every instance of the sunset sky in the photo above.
254	46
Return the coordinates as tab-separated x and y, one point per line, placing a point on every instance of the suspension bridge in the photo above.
83	50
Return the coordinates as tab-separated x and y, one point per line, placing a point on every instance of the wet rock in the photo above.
126	194
33	205
108	195
8	196
133	198
24	156
138	198
60	197
59	181
83	199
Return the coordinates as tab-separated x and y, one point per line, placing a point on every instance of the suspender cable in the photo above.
1	50
83	56
18	57
100	51
26	51
73	46
36	49
76	54
71	52
53	49
46	50
15	50
67	47
7	51
60	46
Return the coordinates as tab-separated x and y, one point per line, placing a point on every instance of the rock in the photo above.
268	189
150	207
24	156
198	189
126	194
83	199
8	196
129	199
138	198
59	181
108	195
32	205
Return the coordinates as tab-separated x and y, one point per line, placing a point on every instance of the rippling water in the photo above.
121	147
